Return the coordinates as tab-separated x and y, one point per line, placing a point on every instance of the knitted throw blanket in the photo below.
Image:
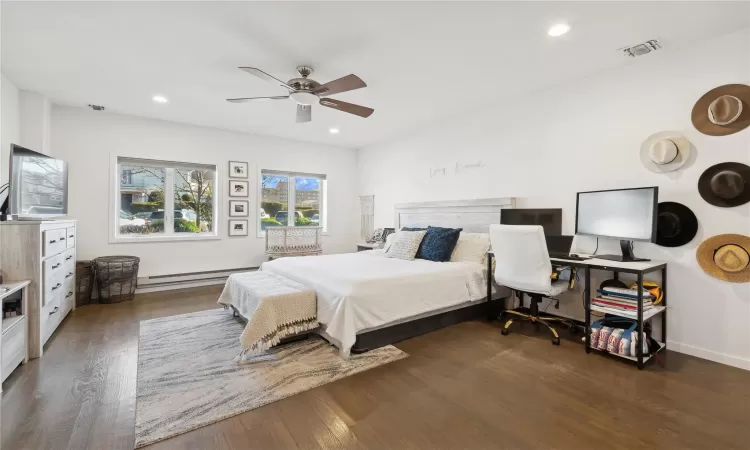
275	307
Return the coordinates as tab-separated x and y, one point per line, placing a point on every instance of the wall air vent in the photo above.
97	107
641	49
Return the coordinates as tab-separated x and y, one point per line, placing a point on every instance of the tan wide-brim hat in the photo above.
723	110
726	257
665	151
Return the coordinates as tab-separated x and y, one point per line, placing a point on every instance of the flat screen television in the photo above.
38	185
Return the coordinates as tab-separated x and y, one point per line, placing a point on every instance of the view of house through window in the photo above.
286	195
165	198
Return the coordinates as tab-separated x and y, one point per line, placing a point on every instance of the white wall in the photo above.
35	110
85	139
545	147
10	124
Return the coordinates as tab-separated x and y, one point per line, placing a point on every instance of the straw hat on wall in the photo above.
723	110
726	257
665	151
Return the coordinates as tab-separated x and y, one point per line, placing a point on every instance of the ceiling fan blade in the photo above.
350	108
247	99
260	74
347	83
304	113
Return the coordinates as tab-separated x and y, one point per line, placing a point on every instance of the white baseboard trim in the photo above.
723	358
183	285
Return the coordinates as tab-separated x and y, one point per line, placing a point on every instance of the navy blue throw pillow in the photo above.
438	244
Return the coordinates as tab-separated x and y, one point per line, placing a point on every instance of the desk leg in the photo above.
639	347
490	304
587	307
664	303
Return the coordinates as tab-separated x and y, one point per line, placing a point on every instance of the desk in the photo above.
638	268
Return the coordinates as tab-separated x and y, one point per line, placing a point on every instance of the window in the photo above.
162	199
287	195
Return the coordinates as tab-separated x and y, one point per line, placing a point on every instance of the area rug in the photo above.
187	377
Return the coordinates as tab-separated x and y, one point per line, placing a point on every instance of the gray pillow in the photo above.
405	245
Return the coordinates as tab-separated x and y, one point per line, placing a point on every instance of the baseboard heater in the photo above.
186	280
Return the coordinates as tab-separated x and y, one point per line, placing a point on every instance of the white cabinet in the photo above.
14	340
45	253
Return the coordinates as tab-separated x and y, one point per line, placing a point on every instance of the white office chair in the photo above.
522	263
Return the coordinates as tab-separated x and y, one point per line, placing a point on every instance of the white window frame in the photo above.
291	197
168	235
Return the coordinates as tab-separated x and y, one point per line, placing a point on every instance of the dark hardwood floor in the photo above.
462	387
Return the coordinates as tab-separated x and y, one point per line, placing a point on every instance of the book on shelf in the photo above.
626	301
621	292
610	304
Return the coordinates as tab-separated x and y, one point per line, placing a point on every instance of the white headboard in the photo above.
474	216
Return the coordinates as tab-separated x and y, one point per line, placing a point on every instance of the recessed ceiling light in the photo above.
159	99
559	29
333	130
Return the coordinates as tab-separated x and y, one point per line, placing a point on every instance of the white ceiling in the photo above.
423	62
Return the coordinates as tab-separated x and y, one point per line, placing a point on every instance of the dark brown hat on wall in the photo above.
725	184
726	257
676	224
723	110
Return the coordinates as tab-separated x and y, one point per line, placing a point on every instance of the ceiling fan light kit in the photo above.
307	92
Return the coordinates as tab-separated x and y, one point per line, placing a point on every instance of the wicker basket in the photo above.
84	282
116	278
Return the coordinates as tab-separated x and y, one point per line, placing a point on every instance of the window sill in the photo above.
172	238
263	235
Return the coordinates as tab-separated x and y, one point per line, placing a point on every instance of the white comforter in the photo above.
359	291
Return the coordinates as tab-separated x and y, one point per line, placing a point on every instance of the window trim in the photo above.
292	196
114	203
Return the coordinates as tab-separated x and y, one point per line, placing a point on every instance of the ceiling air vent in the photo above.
641	49
97	107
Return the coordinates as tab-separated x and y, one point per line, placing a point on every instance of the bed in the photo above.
365	300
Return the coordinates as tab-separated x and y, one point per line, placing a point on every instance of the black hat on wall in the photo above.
676	224
725	184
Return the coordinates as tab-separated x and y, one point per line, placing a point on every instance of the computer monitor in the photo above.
549	219
625	214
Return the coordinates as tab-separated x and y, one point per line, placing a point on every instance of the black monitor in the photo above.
625	214
549	219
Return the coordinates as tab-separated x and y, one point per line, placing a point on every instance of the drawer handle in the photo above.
69	258
53	241
70	274
57	308
72	236
70	294
55	266
57	286
62	239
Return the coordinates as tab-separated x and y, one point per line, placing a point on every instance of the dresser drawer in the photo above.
51	315
14	347
70	237
68	294
53	277
69	260
54	242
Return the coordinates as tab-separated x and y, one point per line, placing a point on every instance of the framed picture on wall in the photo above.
238	228
237	169
239	208
239	188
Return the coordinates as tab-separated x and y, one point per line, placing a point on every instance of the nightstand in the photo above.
362	246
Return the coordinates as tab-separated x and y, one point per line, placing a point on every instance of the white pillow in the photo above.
389	241
471	247
405	244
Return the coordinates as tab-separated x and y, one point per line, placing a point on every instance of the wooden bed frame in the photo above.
474	216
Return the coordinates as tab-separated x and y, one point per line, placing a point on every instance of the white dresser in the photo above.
45	253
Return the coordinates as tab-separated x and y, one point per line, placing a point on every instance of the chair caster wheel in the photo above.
573	330
504	332
556	341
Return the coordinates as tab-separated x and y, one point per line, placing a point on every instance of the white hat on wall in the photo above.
665	151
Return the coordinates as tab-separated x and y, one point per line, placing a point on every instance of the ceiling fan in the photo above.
305	92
